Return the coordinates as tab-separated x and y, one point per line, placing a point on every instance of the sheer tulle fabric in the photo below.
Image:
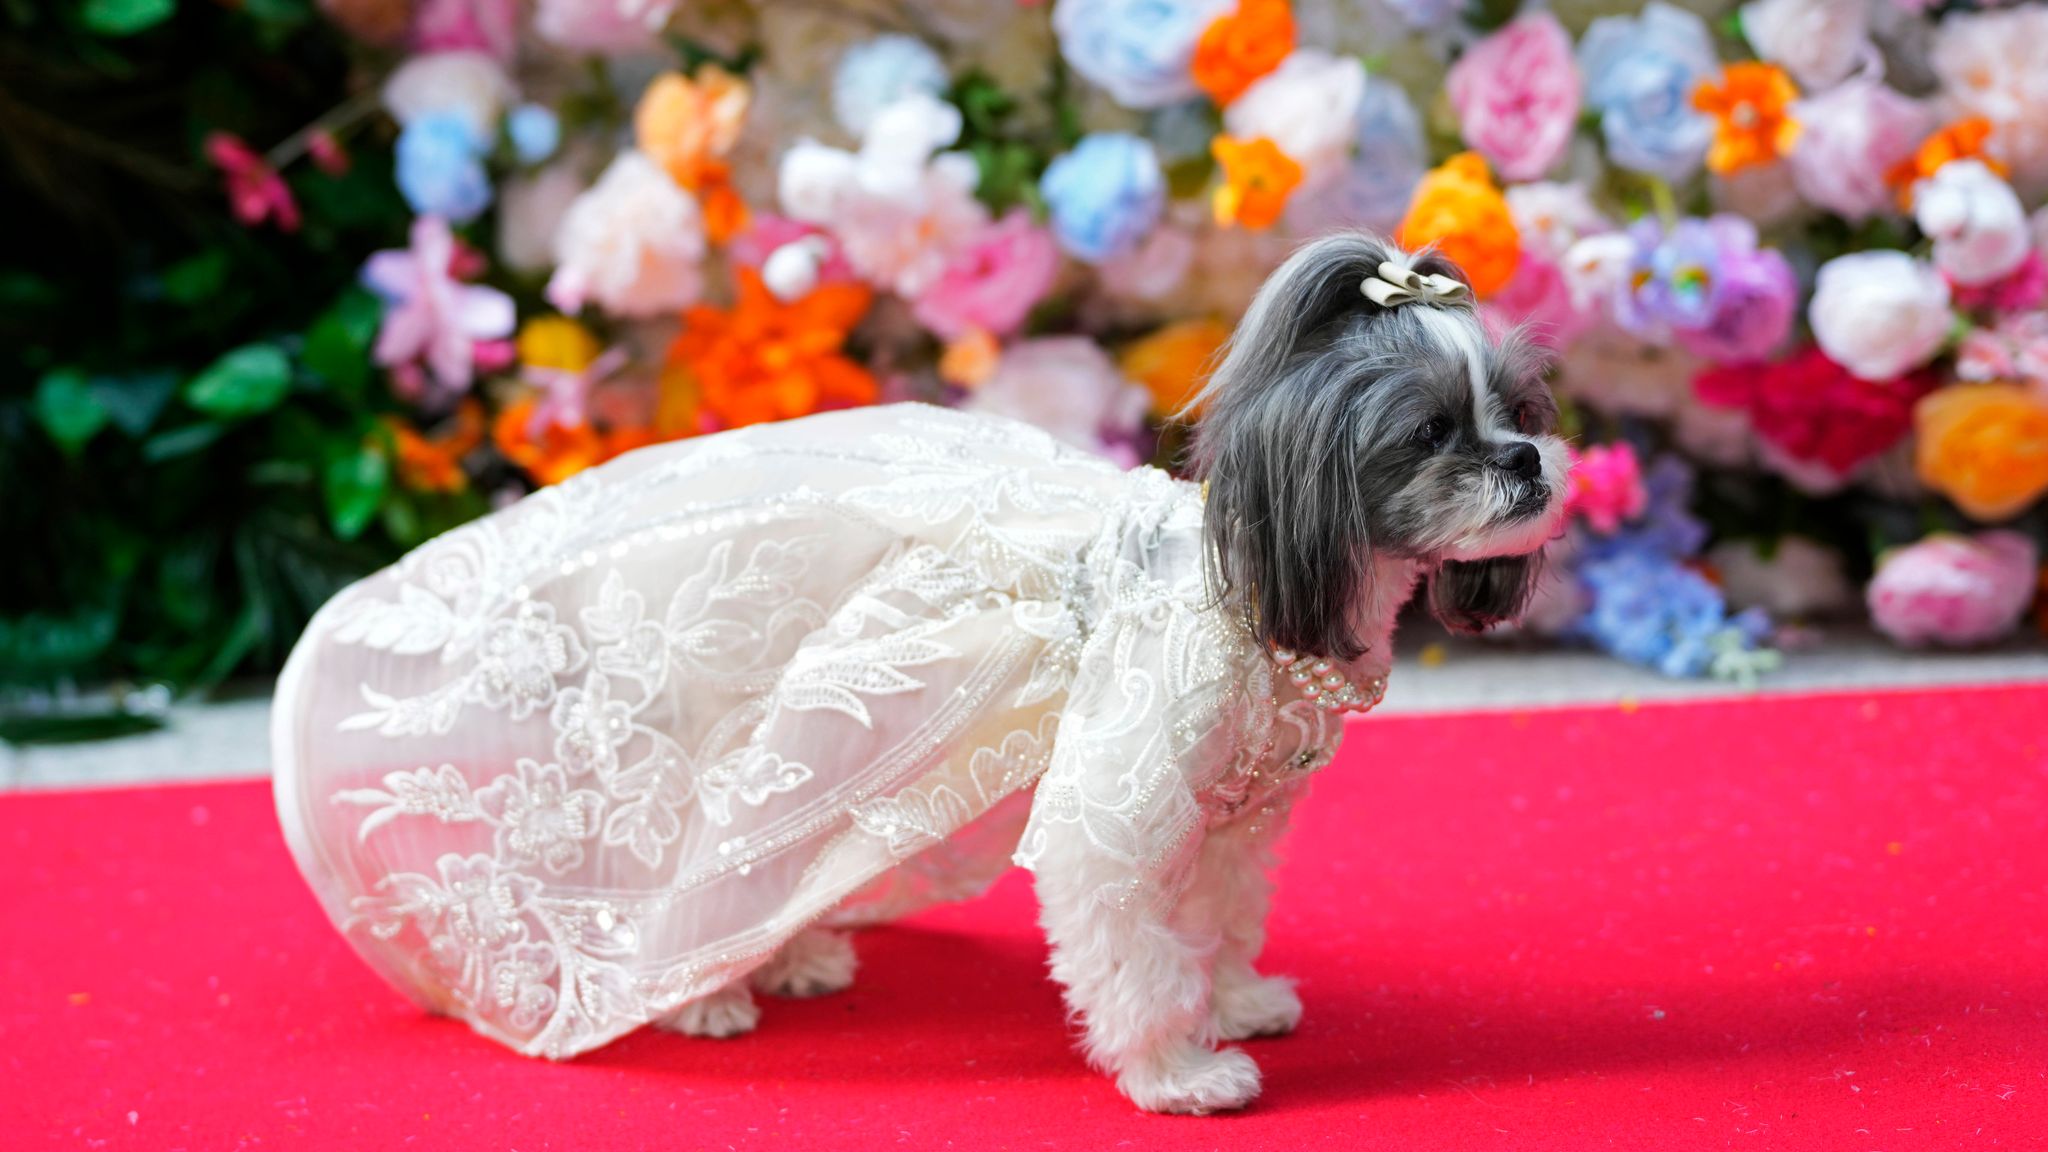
569	767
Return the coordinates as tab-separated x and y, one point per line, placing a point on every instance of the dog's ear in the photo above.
1470	596
1278	445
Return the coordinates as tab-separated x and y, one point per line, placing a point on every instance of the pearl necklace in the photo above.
1320	681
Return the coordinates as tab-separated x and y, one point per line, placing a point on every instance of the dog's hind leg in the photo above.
728	1012
816	962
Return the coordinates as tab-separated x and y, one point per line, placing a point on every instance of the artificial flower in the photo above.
1424	15
2014	350
1751	107
725	211
1655	611
430	318
1458	209
434	463
1607	487
1813	410
535	132
1791	577
1257	179
970	360
2023	288
1157	266
1387	161
1964	139
633	243
1539	299
899	211
1748	300
256	192
1818	41
1242	45
1307	107
1979	229
768	237
878	72
1640	73
1879	313
993	281
327	153
1984	446
487	26
1953	590
1173	362
1516	93
604	27
1615	372
1851	138
767	359
1105	196
1139	51
685	124
1551	217
547	451
556	343
472	85
1068	386
1995	65
439	166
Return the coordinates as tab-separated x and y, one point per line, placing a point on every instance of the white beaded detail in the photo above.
1320	680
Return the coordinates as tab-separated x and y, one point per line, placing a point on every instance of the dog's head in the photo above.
1338	428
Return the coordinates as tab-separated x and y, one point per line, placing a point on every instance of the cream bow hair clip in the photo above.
1398	285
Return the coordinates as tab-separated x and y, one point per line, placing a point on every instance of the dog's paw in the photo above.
815	963
1192	1081
1261	1006
725	1013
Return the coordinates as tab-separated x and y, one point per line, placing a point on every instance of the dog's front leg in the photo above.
1235	871
1137	975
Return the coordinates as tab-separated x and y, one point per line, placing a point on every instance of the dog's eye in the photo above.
1433	433
1524	417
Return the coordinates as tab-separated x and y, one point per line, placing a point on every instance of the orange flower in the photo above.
556	454
1238	48
1751	107
1963	140
1985	446
1258	178
434	463
684	124
764	359
1172	362
725	214
1458	210
969	361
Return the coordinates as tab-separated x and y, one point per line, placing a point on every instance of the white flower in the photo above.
876	73
1849	137
1818	41
898	211
471	84
1979	229
633	244
1995	65
1308	106
605	27
1595	267
1800	578
1552	216
1880	314
1066	385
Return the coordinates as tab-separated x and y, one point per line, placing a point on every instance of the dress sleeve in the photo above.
1152	719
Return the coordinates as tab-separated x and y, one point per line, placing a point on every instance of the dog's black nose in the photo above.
1520	458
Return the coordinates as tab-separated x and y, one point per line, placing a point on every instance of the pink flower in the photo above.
1068	386
490	26
1953	590
1607	487
1849	137
255	191
327	153
430	316
606	27
766	232
2022	289
2015	350
1538	295
565	395
1517	95
993	282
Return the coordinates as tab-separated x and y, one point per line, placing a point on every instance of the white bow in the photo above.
1398	285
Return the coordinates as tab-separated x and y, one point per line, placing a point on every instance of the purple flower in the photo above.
1708	283
430	317
1755	300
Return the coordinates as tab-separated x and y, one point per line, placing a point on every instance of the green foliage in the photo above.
189	455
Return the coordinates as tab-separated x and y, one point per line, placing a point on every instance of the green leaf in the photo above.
135	400
354	485
68	410
338	344
196	279
181	442
246	381
125	17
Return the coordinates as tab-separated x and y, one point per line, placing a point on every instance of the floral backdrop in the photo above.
429	254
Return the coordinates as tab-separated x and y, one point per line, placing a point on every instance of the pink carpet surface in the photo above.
1812	922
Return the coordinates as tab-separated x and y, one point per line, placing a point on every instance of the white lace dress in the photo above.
571	766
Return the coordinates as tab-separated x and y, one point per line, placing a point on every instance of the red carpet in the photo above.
1780	924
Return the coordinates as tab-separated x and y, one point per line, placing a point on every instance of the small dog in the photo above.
898	644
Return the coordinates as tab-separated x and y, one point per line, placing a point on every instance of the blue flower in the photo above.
535	132
441	169
876	73
1426	14
1640	74
1649	609
1136	50
1390	159
1104	196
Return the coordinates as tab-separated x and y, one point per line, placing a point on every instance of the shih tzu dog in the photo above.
632	749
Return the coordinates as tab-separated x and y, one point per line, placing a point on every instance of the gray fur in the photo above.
1311	441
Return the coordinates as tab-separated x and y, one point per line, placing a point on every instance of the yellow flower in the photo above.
1458	209
683	124
1985	446
1257	179
1172	362
557	343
